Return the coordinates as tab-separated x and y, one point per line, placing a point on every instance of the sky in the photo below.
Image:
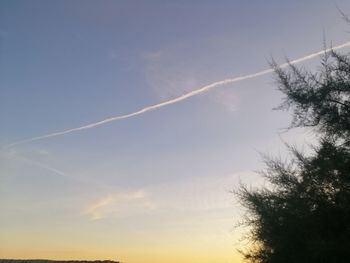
156	187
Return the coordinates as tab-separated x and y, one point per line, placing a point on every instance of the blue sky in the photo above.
160	180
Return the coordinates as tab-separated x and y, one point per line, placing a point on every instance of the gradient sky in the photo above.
156	187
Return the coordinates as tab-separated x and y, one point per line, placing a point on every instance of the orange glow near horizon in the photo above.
155	255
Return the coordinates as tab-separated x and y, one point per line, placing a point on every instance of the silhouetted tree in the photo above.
319	99
303	215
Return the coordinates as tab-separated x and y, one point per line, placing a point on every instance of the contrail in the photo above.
180	98
43	166
34	163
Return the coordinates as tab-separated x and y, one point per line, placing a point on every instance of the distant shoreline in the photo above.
54	261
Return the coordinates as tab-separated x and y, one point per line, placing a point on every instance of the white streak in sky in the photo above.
180	98
34	163
43	166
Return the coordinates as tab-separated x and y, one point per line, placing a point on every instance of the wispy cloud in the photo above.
227	99
177	99
166	76
94	209
118	204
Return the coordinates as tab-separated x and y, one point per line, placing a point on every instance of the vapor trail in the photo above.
32	162
43	166
180	98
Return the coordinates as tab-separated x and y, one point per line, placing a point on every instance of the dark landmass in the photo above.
54	261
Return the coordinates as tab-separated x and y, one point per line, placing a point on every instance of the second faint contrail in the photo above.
178	99
32	162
